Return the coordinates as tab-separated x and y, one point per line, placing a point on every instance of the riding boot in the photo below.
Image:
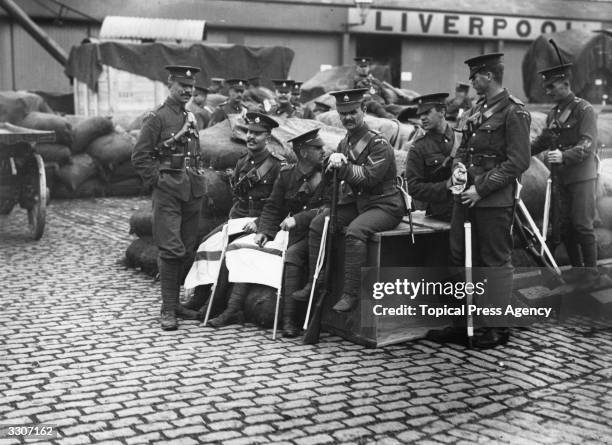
589	253
354	259
197	299
293	276
314	242
233	313
169	274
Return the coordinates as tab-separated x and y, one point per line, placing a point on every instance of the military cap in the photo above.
409	115
283	85
236	84
309	139
462	86
217	80
484	61
297	88
182	74
259	122
554	73
348	100
362	61
428	101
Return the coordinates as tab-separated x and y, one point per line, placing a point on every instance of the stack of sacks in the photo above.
142	252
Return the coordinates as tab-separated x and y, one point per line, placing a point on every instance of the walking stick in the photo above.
225	235
546	213
467	229
280	286
319	266
536	232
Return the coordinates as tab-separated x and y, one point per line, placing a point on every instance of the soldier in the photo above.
296	92
369	200
298	191
216	85
375	99
493	153
166	156
252	184
284	107
570	136
429	162
234	103
197	105
459	104
320	107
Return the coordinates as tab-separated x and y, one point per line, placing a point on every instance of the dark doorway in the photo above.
385	50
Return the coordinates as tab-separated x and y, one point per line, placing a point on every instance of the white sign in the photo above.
474	26
406	76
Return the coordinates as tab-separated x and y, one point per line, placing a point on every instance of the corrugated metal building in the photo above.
424	42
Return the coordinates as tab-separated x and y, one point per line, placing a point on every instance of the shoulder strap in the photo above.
361	145
565	115
265	167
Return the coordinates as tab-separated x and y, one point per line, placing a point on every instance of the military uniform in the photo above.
495	150
574	124
171	166
369	201
428	168
252	182
228	107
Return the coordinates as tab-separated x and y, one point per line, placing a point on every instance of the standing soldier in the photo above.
494	152
369	200
233	105
166	156
570	136
429	162
252	184
459	104
297	192
197	105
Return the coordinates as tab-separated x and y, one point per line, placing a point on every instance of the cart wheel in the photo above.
38	212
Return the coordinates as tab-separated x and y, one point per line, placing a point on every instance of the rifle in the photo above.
313	332
280	286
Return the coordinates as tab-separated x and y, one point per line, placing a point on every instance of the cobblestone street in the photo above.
81	348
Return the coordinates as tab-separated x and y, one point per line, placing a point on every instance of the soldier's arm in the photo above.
375	167
274	209
588	136
144	151
517	152
545	140
417	186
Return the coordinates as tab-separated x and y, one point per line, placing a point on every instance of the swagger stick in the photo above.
319	266
467	228
545	219
225	235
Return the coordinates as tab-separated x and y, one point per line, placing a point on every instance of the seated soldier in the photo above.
234	103
251	182
369	200
374	96
296	199
429	162
459	104
298	190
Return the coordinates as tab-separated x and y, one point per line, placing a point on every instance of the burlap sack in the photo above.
85	132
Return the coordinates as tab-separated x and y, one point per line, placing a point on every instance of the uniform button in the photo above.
473	134
304	207
471	165
471	149
252	162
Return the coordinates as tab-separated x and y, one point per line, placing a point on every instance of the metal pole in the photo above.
56	51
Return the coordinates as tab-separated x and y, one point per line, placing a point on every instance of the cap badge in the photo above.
188	73
345	98
284	84
257	120
372	90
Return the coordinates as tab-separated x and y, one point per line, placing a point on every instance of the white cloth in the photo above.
249	263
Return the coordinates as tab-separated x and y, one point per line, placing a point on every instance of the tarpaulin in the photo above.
148	60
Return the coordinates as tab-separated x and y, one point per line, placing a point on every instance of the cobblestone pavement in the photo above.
81	349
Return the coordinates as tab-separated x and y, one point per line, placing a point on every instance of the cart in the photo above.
22	174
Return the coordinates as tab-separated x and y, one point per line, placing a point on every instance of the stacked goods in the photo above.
142	254
88	130
15	105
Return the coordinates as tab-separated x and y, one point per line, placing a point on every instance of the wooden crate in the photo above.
120	94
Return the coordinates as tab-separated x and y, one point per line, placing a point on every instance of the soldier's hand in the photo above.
458	179
555	157
470	197
288	223
260	239
250	227
336	160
